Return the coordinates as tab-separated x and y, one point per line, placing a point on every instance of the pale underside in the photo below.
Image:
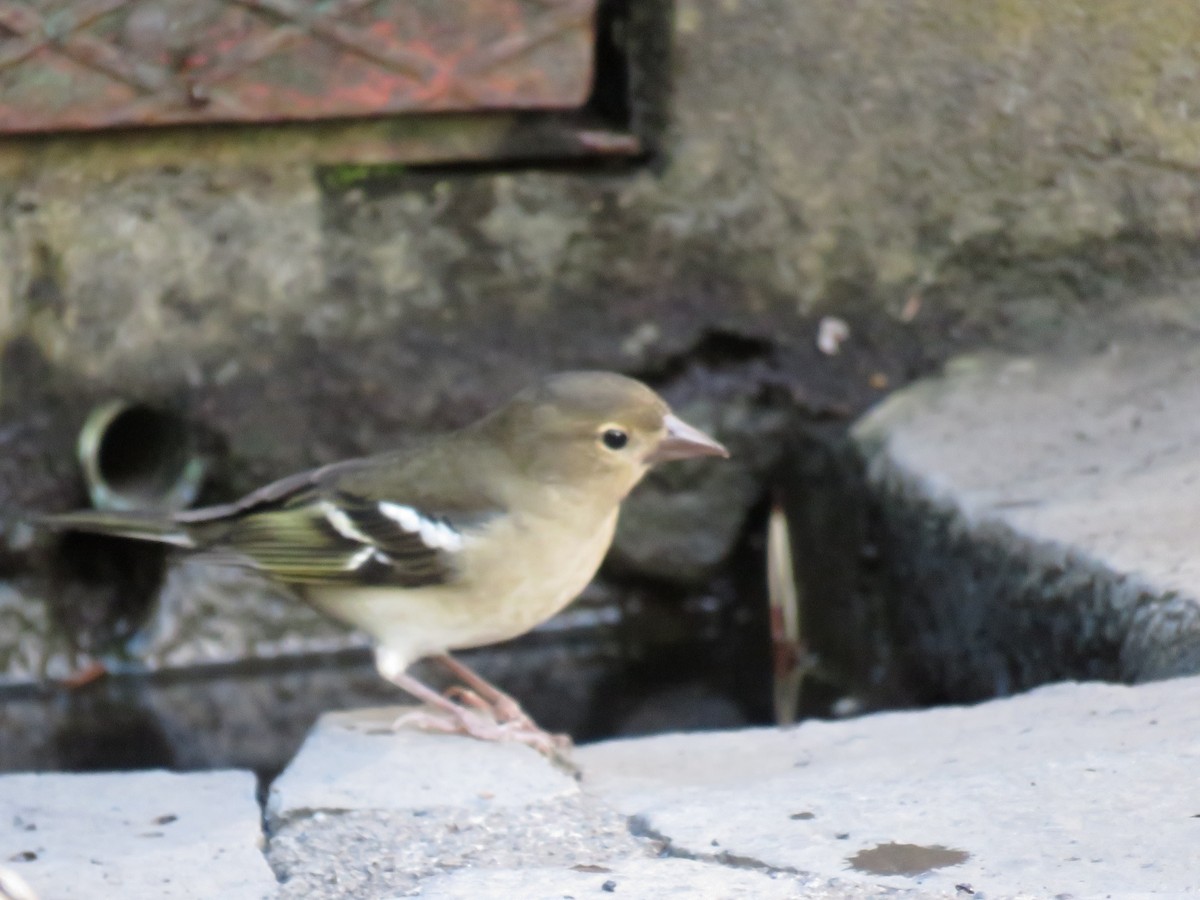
521	592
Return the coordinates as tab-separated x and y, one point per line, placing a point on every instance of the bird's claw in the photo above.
468	720
431	719
507	709
502	709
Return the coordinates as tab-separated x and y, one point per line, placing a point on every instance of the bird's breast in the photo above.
537	567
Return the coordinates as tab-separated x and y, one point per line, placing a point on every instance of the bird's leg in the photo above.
457	718
504	707
445	715
468	697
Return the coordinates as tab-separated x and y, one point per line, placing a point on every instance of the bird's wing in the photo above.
323	527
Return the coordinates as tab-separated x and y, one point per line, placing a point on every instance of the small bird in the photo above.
470	538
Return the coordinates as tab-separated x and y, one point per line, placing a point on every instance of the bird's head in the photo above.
596	430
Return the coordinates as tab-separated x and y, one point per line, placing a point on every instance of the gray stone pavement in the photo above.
135	834
1079	790
1070	791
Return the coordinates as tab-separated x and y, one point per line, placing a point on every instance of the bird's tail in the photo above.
138	526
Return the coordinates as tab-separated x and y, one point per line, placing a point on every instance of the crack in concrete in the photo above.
640	827
271	825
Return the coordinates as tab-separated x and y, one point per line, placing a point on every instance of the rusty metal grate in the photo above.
94	64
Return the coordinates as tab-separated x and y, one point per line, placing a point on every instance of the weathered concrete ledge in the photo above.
993	799
1038	518
1073	790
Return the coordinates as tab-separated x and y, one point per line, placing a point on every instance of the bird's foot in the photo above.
502	708
555	747
473	717
441	721
480	711
466	697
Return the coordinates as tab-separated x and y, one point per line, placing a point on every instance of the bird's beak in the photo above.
682	441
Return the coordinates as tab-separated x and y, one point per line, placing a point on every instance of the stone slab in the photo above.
368	853
135	835
1080	790
365	812
1039	516
1098	453
356	760
368	811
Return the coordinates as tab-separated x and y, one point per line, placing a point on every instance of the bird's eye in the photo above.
614	438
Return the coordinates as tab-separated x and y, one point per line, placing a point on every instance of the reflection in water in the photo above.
254	714
108	730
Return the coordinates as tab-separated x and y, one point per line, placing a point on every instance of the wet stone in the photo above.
905	859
